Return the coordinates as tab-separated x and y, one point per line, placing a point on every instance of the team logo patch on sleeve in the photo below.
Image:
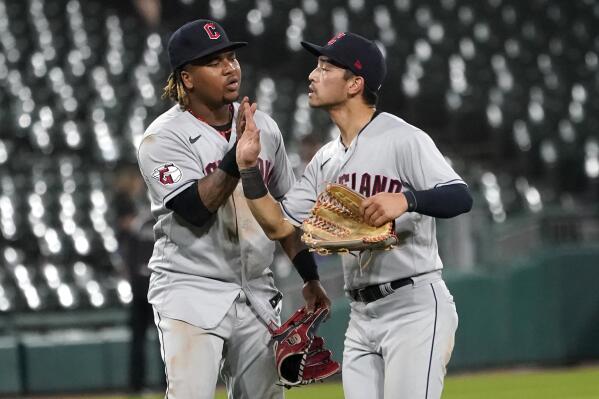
167	174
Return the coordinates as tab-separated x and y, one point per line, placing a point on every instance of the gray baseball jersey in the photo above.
389	155
197	272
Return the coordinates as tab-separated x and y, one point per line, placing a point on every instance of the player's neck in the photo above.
213	116
351	120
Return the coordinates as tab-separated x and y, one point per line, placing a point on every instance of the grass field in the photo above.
573	383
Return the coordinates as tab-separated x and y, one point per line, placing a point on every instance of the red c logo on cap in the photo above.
210	29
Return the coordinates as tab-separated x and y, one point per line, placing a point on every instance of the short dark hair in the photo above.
370	97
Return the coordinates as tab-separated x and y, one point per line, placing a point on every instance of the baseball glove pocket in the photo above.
335	224
300	355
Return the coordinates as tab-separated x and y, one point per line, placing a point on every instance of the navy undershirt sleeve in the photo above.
190	207
440	202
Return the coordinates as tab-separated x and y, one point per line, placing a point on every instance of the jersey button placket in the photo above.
348	152
240	301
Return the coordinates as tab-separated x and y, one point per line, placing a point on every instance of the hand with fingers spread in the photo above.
383	207
248	145
315	296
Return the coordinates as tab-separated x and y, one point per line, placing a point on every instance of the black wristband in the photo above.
229	162
253	185
411	198
305	265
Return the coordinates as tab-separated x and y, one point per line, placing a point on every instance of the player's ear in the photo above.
186	79
356	85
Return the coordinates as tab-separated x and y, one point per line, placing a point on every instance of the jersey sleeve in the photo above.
422	165
168	166
298	202
282	178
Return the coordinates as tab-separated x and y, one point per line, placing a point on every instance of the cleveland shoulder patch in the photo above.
167	174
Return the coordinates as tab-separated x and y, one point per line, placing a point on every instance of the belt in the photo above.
378	291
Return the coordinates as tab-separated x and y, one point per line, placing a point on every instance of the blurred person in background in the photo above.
308	147
136	242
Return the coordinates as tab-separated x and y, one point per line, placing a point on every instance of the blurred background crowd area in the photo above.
506	88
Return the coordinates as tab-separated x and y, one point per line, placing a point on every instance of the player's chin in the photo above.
313	101
230	96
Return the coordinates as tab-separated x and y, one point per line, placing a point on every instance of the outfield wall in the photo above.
541	311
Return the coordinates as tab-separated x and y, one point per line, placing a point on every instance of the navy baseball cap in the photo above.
197	39
356	53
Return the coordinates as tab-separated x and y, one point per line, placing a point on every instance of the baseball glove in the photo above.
299	354
336	225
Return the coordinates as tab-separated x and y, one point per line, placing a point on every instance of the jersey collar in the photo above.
223	130
376	113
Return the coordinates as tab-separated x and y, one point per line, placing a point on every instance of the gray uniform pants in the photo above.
239	347
398	346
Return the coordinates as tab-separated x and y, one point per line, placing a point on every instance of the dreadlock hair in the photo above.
175	89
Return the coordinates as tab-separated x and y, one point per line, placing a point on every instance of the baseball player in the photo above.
403	318
211	290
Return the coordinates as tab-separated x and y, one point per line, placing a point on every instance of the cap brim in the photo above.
320	50
215	50
313	48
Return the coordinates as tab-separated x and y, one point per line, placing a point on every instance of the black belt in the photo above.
374	292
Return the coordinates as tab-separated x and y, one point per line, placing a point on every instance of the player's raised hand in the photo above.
248	145
240	121
383	207
315	296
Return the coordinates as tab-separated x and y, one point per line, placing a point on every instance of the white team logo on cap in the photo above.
167	173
